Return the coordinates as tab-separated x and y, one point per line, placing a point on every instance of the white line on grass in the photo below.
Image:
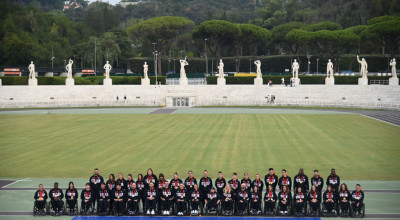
21	180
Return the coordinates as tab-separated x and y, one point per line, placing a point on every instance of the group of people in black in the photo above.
158	195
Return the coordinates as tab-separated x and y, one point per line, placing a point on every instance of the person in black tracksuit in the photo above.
357	200
314	199
133	199
56	196
271	179
258	182
95	181
255	200
212	200
110	185
285	199
151	197
344	199
87	198
284	180
162	182
270	200
40	199
195	199
119	196
242	199
71	197
121	181
247	182
166	198
103	199
150	178
190	181
300	180
333	180
227	199
329	199
300	201
205	184
181	197
235	185
140	185
318	181
174	184
220	183
129	182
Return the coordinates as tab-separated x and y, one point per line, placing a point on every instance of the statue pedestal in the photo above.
32	82
296	81
0	82
363	81
392	81
183	81
329	81
49	74
258	81
145	81
69	82
221	81
107	82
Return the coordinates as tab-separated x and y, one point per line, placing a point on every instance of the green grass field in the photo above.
72	145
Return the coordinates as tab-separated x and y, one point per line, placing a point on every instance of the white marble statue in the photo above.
393	65
283	81
221	69
364	67
31	68
329	69
145	69
69	69
108	68
258	65
295	69
183	72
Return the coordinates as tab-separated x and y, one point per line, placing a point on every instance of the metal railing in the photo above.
379	82
191	81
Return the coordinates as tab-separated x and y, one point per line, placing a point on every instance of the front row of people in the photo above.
180	199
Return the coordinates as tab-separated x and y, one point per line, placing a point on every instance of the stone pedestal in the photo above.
221	81
258	81
145	81
296	81
393	81
363	81
70	82
329	81
32	82
0	82
183	81
49	74
107	82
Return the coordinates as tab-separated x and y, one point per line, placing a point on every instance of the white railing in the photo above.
191	81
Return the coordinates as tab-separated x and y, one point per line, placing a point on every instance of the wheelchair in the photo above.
245	211
161	209
228	212
199	210
303	212
312	213
256	211
186	208
108	211
89	211
145	210
335	211
344	213
279	212
355	214
212	212
72	211
133	212
270	212
42	212
51	209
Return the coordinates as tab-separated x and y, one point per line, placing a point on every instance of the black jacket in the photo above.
205	185
332	196
56	193
254	196
129	184
37	195
259	184
140	185
287	196
119	194
167	194
151	192
147	179
247	183
300	181
318	181
110	185
104	194
181	194
189	183
87	195
235	185
71	193
333	181
344	195
243	195
134	194
211	196
95	182
267	196
123	183
271	180
285	181
317	195
227	195
174	184
357	197
302	196
220	185
195	195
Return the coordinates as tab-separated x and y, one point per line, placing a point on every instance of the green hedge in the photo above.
90	80
349	80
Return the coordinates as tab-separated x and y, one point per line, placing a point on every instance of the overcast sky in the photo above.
109	1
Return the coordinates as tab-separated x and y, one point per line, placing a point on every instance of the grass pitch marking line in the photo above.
380	120
21	180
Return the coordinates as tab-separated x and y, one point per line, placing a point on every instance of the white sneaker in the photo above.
148	212
164	212
167	212
152	212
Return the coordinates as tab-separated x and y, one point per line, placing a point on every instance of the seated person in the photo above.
150	196
314	199
133	199
344	199
167	198
357	198
300	200
242	199
180	198
56	196
87	198
270	199
330	199
71	196
255	202
195	198
40	199
227	198
103	201
212	200
284	197
119	198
